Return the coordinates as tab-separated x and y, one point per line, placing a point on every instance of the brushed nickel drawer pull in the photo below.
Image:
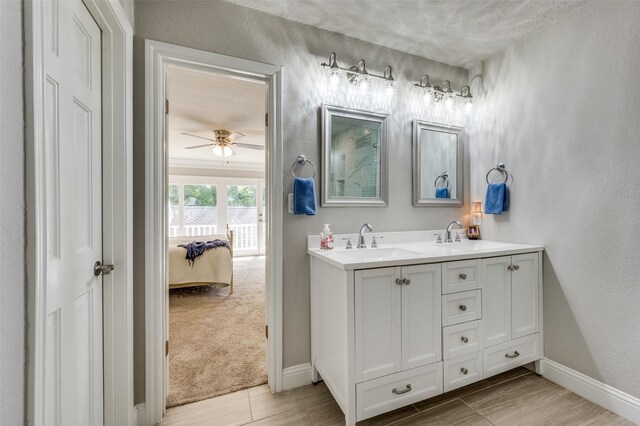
463	308
463	276
406	281
510	268
464	371
516	267
398	281
400	392
464	339
516	354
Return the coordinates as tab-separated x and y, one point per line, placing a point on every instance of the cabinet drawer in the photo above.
511	354
397	390
460	339
461	307
462	371
459	276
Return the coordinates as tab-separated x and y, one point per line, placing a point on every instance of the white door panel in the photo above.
524	295
496	300
73	364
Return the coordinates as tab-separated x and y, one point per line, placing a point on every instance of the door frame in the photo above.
158	56
117	188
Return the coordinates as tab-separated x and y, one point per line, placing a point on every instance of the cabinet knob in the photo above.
463	276
464	371
510	268
400	392
516	354
516	267
463	308
406	281
399	281
464	339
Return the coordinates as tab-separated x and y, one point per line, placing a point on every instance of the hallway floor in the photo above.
516	397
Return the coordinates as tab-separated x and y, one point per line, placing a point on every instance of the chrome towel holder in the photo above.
445	179
499	168
302	159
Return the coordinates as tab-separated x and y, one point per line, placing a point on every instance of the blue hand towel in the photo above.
442	192
497	199
304	196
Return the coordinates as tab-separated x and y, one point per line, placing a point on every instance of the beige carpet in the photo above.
217	342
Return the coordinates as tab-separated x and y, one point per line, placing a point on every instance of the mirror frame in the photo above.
330	111
418	126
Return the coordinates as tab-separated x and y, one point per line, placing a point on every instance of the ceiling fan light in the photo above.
217	151
227	151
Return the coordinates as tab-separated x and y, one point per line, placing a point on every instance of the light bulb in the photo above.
427	98
333	76
468	106
217	151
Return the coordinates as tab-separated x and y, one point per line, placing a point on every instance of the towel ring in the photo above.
302	160
499	168
444	178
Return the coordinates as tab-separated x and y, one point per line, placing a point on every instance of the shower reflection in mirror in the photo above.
354	169
437	164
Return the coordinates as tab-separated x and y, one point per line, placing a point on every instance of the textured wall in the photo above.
232	30
562	110
12	229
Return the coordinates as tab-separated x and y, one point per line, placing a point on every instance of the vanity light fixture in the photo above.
360	77
444	95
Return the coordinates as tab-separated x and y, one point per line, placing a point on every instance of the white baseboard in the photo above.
296	376
140	414
612	399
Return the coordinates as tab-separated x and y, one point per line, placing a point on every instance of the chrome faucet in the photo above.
447	234
368	228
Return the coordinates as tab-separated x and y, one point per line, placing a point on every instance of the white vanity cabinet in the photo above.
512	309
397	319
388	333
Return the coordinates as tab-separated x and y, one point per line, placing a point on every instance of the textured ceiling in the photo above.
456	32
200	102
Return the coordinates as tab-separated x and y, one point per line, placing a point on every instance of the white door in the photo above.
524	295
377	322
73	353
421	319
496	300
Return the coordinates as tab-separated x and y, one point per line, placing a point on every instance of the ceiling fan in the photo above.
223	143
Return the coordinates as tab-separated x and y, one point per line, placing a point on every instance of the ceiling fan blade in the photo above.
235	135
196	136
200	146
250	146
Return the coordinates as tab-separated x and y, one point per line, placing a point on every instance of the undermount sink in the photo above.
375	253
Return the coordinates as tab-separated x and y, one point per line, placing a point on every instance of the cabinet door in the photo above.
496	300
421	320
377	322
524	295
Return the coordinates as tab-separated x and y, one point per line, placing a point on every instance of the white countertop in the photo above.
398	253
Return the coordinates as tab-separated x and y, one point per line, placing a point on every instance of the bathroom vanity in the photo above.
412	319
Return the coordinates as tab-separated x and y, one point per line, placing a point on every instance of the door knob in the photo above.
100	269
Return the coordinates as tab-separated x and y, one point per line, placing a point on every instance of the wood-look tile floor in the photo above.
517	397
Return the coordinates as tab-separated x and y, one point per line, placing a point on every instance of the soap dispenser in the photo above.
326	237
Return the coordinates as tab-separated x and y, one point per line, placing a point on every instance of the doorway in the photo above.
160	58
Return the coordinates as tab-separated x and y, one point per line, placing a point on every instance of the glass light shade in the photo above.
217	151
427	97
364	86
449	102
468	106
334	79
227	151
390	90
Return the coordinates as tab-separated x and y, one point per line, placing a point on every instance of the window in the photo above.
192	210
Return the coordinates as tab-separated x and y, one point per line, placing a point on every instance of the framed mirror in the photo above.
437	164
354	157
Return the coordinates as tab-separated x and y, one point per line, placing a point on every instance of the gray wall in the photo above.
12	222
232	30
562	111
